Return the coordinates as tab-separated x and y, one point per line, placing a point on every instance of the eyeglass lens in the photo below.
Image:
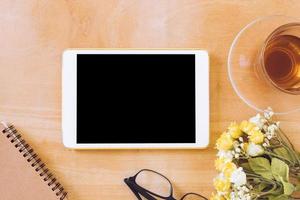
154	183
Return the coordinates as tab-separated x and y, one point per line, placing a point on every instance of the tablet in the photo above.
135	98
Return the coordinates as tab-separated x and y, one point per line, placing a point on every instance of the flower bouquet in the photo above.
256	161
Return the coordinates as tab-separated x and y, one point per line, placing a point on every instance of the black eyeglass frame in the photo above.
138	190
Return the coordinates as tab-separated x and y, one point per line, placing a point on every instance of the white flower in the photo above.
238	177
268	113
258	120
265	128
232	195
240	193
272	128
269	137
254	149
271	131
265	144
227	155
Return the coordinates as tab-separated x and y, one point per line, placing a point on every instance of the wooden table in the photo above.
34	34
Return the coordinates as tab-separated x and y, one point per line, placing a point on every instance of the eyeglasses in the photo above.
152	185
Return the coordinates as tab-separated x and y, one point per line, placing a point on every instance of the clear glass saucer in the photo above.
242	62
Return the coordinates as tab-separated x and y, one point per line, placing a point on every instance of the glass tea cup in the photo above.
279	59
262	64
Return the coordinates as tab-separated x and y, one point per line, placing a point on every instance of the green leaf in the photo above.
288	188
280	197
282	152
261	166
279	169
246	166
297	188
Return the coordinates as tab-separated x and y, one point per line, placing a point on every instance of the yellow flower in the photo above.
234	130
222	184
229	167
220	163
246	127
256	136
245	146
227	196
225	142
216	197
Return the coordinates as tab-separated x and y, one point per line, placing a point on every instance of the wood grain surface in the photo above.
34	33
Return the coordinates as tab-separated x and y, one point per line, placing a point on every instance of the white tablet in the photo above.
135	99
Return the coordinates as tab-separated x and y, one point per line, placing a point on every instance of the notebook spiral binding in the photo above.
33	159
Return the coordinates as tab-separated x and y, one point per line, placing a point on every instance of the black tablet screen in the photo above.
135	98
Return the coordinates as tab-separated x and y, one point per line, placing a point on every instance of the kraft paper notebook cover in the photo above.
23	176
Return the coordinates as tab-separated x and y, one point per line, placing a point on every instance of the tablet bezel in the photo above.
69	98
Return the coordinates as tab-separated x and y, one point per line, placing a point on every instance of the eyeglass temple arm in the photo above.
133	190
137	191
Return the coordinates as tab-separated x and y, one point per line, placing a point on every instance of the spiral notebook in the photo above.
23	175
